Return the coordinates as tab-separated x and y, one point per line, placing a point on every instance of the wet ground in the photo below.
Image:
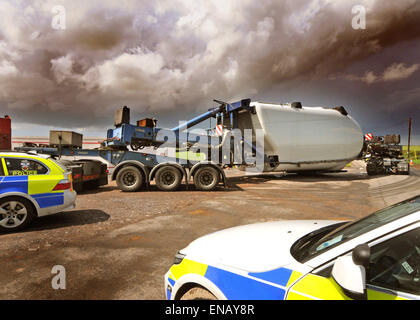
118	245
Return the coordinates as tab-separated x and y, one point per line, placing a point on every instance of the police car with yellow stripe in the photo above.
376	257
32	185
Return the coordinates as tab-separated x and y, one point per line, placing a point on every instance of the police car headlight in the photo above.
178	258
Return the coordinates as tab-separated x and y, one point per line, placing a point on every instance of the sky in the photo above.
71	64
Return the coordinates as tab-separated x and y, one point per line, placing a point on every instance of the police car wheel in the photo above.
16	213
198	293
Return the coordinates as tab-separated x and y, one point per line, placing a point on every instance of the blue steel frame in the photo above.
126	133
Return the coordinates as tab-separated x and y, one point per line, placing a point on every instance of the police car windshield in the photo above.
317	244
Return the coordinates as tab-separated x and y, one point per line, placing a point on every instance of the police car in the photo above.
376	257
32	186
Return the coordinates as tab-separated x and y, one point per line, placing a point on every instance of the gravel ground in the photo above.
117	245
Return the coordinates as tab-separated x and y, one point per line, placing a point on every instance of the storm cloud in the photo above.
173	57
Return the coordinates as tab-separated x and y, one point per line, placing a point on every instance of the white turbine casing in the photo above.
307	138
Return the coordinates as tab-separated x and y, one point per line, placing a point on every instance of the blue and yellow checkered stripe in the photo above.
39	187
269	285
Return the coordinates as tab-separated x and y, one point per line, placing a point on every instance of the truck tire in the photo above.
198	293
91	185
168	178
372	170
206	178
130	179
78	186
16	213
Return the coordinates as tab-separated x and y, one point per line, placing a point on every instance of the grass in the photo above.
412	149
414	153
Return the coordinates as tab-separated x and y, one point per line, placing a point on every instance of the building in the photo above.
88	142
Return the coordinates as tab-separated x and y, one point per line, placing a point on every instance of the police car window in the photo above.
24	167
318	245
1	168
395	263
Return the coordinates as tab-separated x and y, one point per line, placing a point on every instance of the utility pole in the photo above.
408	144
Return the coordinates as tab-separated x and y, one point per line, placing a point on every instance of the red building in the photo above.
5	133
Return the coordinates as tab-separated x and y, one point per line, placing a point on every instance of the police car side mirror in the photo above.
350	272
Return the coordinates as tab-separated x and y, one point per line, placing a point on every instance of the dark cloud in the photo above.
169	58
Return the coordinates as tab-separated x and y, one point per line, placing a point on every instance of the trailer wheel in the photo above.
78	186
90	185
130	179
168	178
372	170
206	178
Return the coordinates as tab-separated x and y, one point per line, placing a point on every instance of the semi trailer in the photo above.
86	173
250	135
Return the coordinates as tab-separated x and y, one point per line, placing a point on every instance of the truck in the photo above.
283	137
86	173
384	155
